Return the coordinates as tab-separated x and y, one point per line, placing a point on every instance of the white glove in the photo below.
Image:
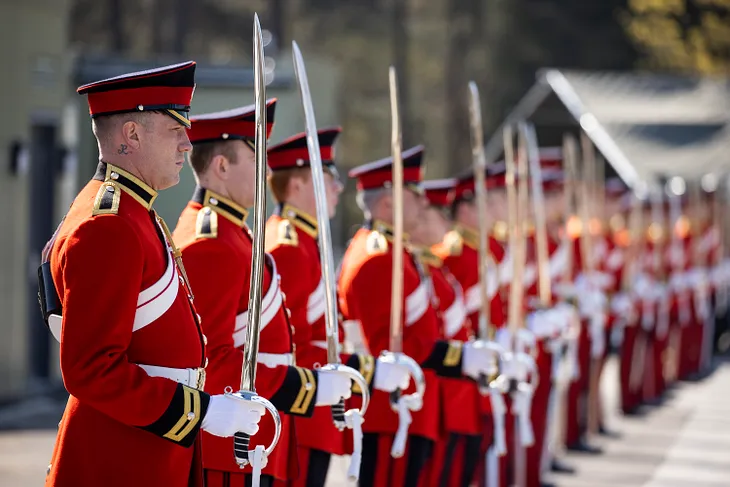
331	387
227	416
390	377
477	359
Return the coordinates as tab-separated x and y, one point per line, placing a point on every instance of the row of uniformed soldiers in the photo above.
152	341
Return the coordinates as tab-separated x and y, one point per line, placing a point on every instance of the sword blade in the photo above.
513	231
320	195
251	351
570	155
538	200
486	330
396	299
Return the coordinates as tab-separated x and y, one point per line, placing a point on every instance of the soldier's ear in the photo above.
220	166
131	131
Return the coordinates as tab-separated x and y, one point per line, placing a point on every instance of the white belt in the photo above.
275	359
190	377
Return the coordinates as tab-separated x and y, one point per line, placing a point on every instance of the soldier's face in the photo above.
413	207
302	193
434	226
554	206
240	174
164	143
496	206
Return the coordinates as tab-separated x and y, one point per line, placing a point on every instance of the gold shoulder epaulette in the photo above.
107	199
500	230
376	243
206	226
286	233
454	242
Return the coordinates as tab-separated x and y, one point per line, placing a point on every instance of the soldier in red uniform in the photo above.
457	454
291	238
132	350
217	245
364	293
459	251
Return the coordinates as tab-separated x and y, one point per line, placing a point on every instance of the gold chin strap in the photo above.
175	252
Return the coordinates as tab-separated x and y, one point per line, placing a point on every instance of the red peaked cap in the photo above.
293	152
379	174
551	161
439	192
235	124
168	89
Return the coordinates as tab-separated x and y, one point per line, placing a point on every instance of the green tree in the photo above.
681	35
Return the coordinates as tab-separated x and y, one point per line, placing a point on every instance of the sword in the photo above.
538	199
522	363
351	419
586	246
257	457
414	401
486	329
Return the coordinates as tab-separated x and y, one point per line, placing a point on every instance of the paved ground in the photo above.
685	442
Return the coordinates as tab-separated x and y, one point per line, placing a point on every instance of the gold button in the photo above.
308	386
205	364
191	416
205	338
110	189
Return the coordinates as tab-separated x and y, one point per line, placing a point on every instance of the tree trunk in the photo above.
400	61
116	25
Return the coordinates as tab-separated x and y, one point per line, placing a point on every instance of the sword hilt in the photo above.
338	415
240	447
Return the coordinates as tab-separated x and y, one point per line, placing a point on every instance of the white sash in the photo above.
270	305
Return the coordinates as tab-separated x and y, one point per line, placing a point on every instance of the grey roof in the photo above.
646	125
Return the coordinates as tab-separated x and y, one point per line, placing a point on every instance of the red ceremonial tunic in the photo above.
217	247
291	238
364	294
460	254
460	394
121	426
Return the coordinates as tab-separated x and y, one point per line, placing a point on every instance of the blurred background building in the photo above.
51	46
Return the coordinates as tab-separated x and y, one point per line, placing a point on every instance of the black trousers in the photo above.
319	464
214	478
419	451
469	459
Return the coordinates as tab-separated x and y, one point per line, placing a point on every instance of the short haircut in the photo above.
279	181
104	125
204	152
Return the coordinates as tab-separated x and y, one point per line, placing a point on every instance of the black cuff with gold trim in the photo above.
365	364
182	419
445	359
297	395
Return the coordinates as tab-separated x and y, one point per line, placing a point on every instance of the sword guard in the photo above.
241	441
415	399
359	380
